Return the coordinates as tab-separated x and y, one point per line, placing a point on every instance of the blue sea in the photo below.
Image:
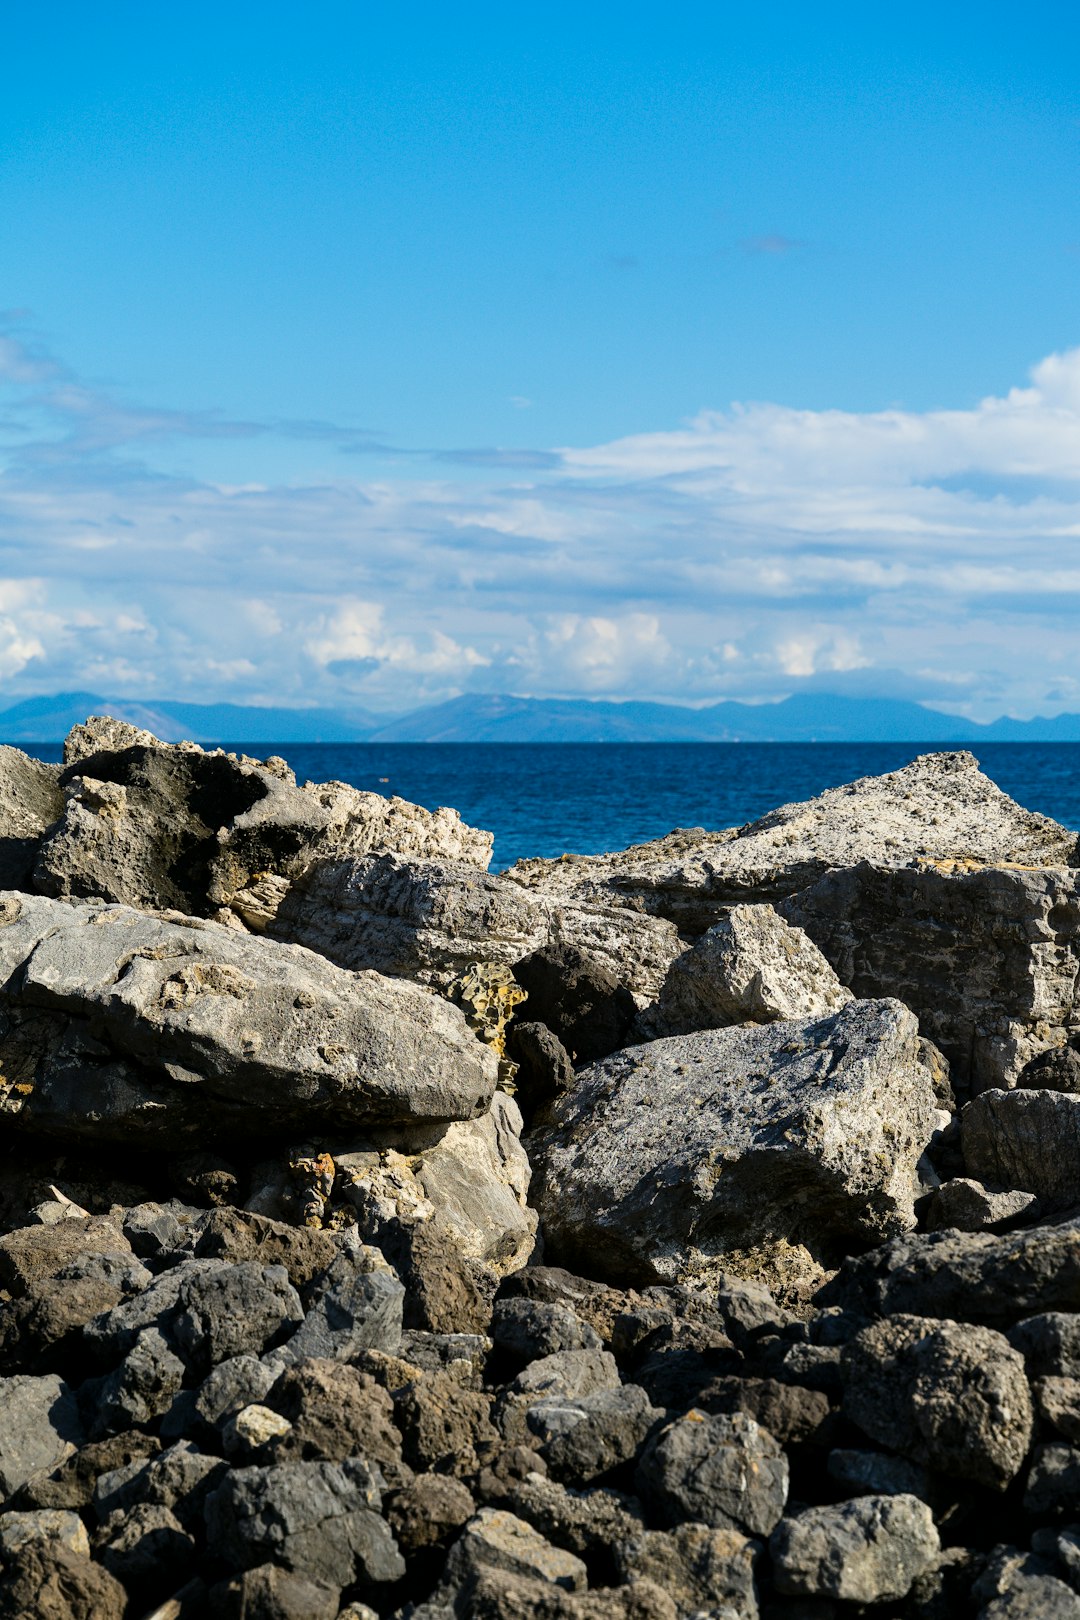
547	798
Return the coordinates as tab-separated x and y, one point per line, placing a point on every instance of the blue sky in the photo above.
364	356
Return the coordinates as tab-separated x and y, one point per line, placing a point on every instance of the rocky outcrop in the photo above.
674	1160
128	1027
939	808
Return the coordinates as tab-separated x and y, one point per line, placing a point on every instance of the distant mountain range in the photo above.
807	717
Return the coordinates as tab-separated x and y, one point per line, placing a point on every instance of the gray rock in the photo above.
334	1412
670	1161
41	1427
751	967
179	1478
703	1569
234	1311
152	1230
589	1523
353	1310
1057	1069
544	1067
589	1437
58	1527
967	1206
1026	1139
1019	1586
964	1276
140	1389
113	1334
723	1471
983	956
1061	1547
72	1483
874	1473
198	1029
568	1374
1053	1482
1057	1401
236	1382
497	1540
528	1329
30	801
952	1397
317	1519
938	808
146	1548
272	1593
869	1550
35	1253
1049	1344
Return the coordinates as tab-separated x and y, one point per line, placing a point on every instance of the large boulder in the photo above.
704	1153
985	956
147	823
135	1028
939	808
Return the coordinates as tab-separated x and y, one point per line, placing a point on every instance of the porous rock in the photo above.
948	1395
40	1427
1028	1140
702	1568
272	1593
668	1160
968	1206
868	1550
52	1583
137	1028
53	1526
723	1471
751	967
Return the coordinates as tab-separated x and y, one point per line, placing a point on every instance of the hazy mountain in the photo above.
483	718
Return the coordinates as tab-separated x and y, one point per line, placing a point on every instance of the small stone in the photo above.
869	1550
967	1206
253	1427
54	1526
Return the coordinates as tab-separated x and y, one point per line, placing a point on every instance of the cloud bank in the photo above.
748	552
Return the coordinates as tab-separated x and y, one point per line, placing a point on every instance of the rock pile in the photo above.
691	1233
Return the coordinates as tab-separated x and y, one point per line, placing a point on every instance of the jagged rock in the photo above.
41	1426
140	1389
950	1396
670	1161
984	956
136	1028
272	1593
321	1520
588	1438
232	1384
497	1540
472	1176
249	1434
875	1473
51	1583
72	1483
869	1550
236	1234
967	1206
1049	1343
146	1548
1026	1139
703	1569
938	808
53	1526
589	1523
527	1329
1053	1483
233	1311
579	999
543	1064
791	1413
353	1309
334	1411
444	1426
180	1478
1057	1069
37	1253
721	1471
1057	1401
30	801
964	1276
751	967
154	825
429	1512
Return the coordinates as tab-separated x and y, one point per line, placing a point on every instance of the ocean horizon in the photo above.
550	799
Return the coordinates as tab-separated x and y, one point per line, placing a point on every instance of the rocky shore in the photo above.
687	1232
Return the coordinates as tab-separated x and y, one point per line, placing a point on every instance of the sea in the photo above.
551	798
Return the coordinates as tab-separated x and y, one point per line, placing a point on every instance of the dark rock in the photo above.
544	1068
234	1383
31	799
949	1396
792	1414
271	1593
1026	1139
445	1428
869	1550
40	1330
589	1438
462	1354
1053	1482
136	1392
1049	1344
966	1205
336	1412
36	1253
874	1473
703	1569
41	1427
429	1512
351	1310
51	1583
1057	1401
147	1549
179	1478
237	1234
1055	1070
596	1303
321	1520
504	1470
723	1471
153	1231
235	1310
71	1484
579	999
1020	1586
528	1329
589	1523
442	1294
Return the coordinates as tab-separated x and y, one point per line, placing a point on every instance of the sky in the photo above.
364	356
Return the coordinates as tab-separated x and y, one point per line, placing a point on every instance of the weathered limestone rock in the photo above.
30	801
138	1028
1026	1139
472	1177
950	1396
752	967
939	808
151	824
987	958
691	1156
869	1550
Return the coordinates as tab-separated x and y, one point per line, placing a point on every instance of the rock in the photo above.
39	1331
793	1415
321	1520
589	1523
236	1235
587	1439
251	1430
967	1205
874	1473
938	808
71	1484
41	1427
37	1253
30	801
272	1593
1049	1344
544	1068
232	1384
1057	1069
429	1512
333	1412
663	1165
950	1396
983	956
153	1231
1020	1586
445	1428
1026	1139
751	967
51	1583
497	1540
1053	1482
596	1303
147	1549
580	1001
352	1310
140	1389
464	1355
197	1028
528	1329
1057	1401
51	1526
568	1374
701	1568
869	1550
721	1471
442	1289
966	1277
472	1176
179	1478
233	1311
